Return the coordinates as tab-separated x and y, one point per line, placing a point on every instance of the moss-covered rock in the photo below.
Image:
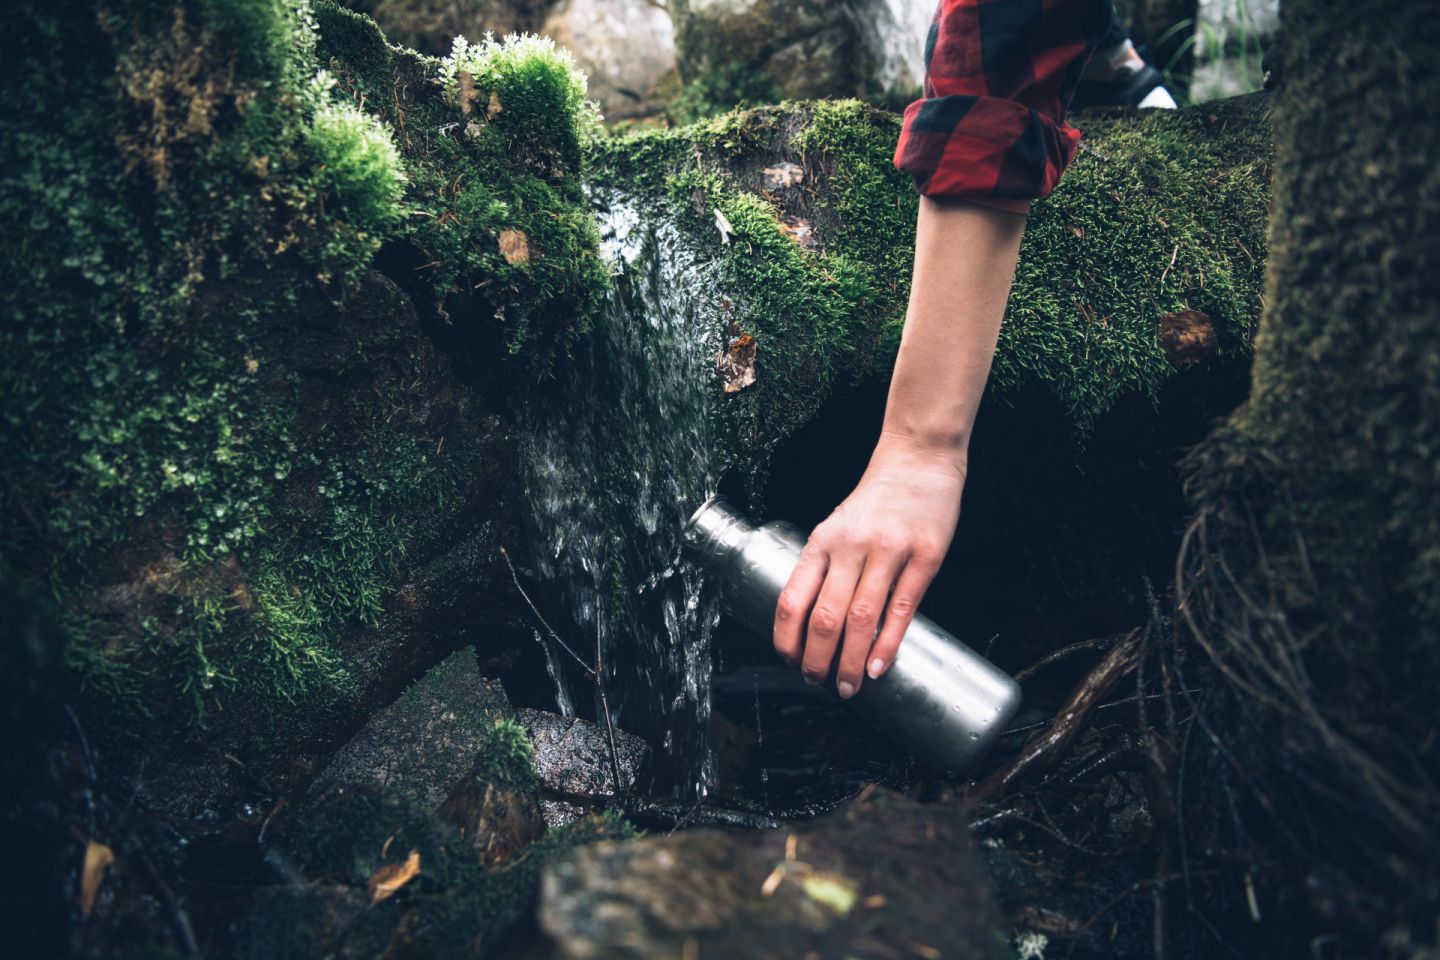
441	899
1156	238
253	470
867	878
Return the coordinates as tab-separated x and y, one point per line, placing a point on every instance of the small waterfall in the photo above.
617	454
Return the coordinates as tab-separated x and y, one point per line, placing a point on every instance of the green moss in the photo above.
200	466
721	88
497	153
1158	214
453	902
508	756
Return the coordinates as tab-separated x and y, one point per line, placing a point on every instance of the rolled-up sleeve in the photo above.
999	75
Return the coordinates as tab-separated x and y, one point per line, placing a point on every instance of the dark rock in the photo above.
426	742
870	878
572	757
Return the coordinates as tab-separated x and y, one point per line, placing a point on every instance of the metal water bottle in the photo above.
941	699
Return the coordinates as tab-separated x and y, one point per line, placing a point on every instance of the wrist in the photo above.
943	449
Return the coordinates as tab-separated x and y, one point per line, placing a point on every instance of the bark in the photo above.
1310	573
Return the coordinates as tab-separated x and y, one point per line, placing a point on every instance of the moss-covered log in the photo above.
1147	260
1311	573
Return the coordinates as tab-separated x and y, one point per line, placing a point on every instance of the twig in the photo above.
541	617
1099	643
1166	272
605	706
1040	724
1045	751
596	673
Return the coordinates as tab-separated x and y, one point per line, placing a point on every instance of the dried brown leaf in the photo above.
514	247
736	364
387	880
98	858
1187	337
465	83
493	107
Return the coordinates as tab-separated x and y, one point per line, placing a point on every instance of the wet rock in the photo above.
425	743
810	48
865	880
572	757
497	805
625	47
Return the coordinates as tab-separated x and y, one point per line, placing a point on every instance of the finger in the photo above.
795	602
827	619
909	588
864	617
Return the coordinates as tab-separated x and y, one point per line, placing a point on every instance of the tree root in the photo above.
1045	751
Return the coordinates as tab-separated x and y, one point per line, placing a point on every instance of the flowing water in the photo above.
616	457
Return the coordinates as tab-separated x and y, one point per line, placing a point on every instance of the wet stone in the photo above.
572	757
883	876
425	743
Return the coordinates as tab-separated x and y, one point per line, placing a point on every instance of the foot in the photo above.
1119	77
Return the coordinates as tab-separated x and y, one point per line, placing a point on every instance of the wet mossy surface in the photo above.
234	445
1161	213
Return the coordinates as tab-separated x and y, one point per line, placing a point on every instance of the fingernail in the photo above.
877	667
810	681
846	688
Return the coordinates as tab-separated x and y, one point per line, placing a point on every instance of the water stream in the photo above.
616	457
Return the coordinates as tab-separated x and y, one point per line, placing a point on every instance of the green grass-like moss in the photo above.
193	468
1161	212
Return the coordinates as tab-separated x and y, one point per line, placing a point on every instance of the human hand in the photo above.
876	554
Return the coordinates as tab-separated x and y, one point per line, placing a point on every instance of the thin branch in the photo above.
541	617
596	673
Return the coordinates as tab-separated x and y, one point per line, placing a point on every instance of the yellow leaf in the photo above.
392	876
834	891
98	858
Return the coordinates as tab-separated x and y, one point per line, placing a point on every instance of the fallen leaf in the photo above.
799	230
493	107
1078	231
783	175
514	247
1187	337
831	889
723	225
736	364
98	858
386	881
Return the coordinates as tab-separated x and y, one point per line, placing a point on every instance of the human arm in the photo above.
987	136
879	550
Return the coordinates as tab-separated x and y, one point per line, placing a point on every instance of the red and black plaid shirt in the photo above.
999	75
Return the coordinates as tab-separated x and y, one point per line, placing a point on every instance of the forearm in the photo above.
965	257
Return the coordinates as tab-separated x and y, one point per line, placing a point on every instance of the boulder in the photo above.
811	48
625	47
425	743
572	757
864	881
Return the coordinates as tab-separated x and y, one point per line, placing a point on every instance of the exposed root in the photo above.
1045	751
